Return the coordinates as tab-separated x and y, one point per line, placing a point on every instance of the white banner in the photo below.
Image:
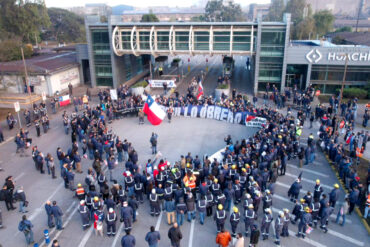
159	83
113	94
257	122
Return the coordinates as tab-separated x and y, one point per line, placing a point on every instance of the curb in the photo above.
364	222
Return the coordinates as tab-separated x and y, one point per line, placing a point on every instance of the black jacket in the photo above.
174	234
255	235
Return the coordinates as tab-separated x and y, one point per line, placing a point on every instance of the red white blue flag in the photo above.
153	111
249	118
64	100
200	90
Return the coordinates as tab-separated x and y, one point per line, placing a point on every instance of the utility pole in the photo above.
25	73
359	13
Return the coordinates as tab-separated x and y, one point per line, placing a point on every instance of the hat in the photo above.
110	210
317	181
125	203
79	185
281	213
153	191
235	209
307	209
128	173
96	198
248	195
267	191
286	210
250	206
336	186
268	210
220	207
82	202
233	166
215	180
357	178
247	166
244	170
302	200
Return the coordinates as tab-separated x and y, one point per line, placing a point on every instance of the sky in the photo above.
139	3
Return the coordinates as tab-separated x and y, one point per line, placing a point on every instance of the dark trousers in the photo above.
209	211
351	207
9	204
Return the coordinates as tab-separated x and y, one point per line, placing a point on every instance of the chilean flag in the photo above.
153	111
200	90
64	100
249	118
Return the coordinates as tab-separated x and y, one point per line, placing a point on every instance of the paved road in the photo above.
198	136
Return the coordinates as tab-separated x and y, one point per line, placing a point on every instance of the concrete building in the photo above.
47	73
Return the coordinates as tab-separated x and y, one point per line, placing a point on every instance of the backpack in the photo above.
88	181
21	226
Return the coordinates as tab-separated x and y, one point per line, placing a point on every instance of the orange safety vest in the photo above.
80	191
85	100
358	152
191	182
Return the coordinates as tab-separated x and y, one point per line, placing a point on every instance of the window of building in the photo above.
128	67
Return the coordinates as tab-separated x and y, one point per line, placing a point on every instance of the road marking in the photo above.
344	237
308	170
287	200
86	237
117	235
308	180
159	221
191	234
19	176
65	223
288	187
38	210
6	141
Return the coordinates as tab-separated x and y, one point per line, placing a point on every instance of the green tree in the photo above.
66	26
23	18
276	10
344	29
151	17
216	11
305	29
297	9
10	49
324	21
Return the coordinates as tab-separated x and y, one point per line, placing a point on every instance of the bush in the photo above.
140	84
355	92
223	86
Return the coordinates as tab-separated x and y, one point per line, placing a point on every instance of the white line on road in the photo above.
19	176
117	235
38	210
159	221
344	237
308	170
308	180
86	237
288	187
191	234
65	223
7	140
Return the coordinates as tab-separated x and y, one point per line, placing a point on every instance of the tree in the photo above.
296	8
151	17
276	10
23	18
305	29
324	21
198	18
343	29
216	11
66	26
10	50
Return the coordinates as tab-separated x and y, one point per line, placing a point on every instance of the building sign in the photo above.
352	56
314	56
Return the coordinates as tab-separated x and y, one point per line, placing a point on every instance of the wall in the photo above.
59	81
11	83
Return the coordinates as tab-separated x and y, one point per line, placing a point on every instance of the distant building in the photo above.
46	73
99	9
256	9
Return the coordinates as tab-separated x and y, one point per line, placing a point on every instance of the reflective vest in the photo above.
80	191
168	191
358	152
235	217
249	216
202	203
128	179
83	209
111	217
138	186
153	199
215	187
220	214
190	181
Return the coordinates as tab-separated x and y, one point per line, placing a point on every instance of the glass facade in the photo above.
328	78
102	57
271	56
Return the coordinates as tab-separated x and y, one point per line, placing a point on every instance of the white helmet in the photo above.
110	210
153	191
128	173
248	195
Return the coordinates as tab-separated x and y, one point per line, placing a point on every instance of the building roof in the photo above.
351	23
42	64
359	38
322	43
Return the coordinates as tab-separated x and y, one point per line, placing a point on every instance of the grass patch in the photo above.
140	84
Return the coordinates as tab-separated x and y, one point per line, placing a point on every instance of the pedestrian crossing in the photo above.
309	181
308	170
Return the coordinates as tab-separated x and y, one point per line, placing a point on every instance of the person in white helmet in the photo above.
111	222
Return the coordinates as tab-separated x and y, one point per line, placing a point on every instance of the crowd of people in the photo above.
197	187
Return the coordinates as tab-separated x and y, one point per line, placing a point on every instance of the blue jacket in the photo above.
152	237
56	211
128	241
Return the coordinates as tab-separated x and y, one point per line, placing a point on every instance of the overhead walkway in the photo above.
163	39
